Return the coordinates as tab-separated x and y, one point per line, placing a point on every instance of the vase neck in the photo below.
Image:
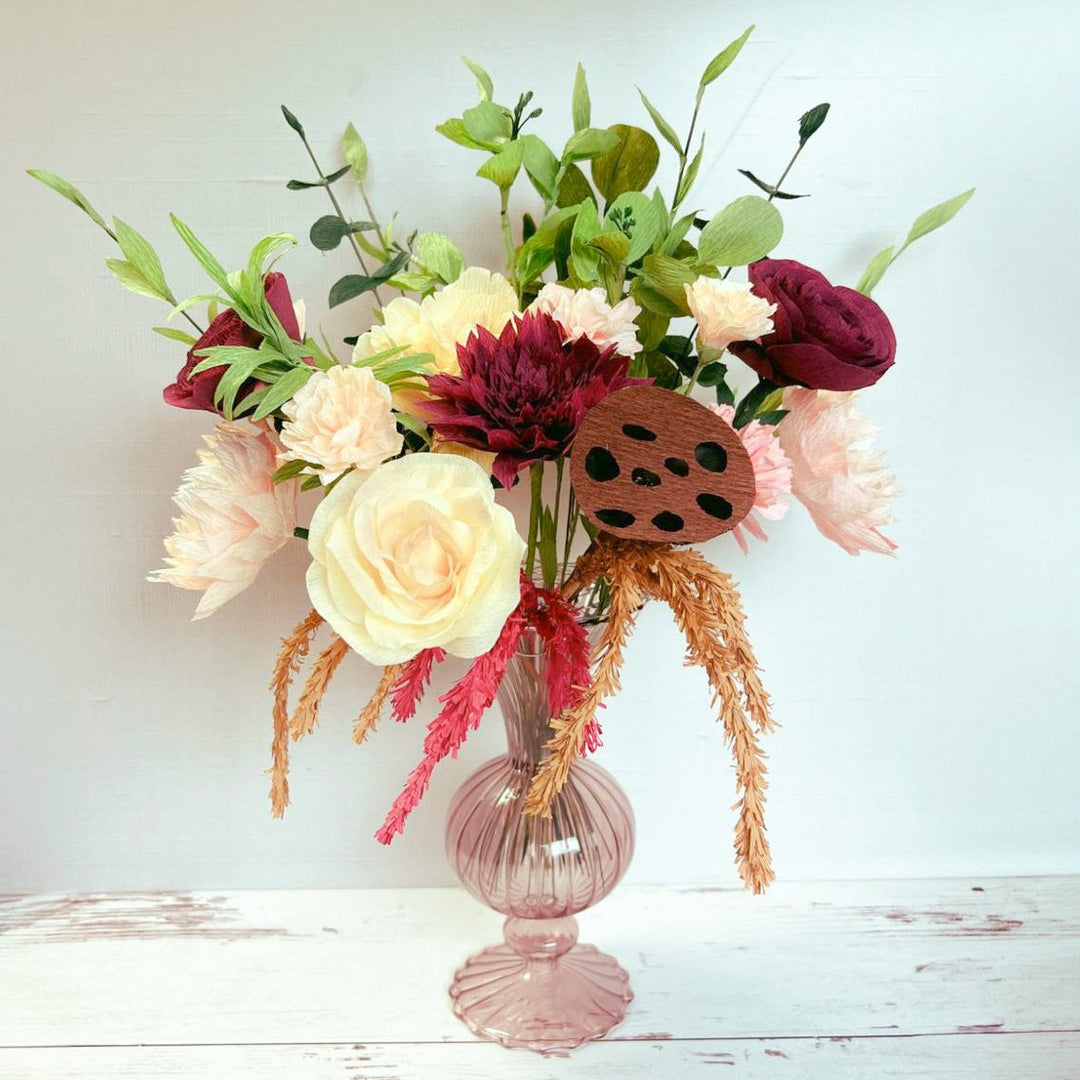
523	700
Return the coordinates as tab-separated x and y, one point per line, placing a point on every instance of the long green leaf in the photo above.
723	60
205	259
282	391
581	105
454	130
662	125
355	153
690	175
483	80
875	271
138	251
936	216
173	334
541	164
230	383
353	285
69	192
132	279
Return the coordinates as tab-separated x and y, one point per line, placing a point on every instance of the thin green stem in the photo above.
783	175
507	235
572	517
559	465
536	480
685	155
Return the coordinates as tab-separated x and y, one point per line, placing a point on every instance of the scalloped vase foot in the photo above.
547	1004
540	990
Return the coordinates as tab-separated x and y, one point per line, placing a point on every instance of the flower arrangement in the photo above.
580	370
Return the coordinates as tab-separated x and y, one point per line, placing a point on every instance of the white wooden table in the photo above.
934	979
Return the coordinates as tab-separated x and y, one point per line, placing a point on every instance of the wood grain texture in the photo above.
650	464
935	979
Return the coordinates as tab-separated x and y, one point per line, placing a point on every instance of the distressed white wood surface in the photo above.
965	978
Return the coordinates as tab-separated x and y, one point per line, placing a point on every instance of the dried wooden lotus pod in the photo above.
650	464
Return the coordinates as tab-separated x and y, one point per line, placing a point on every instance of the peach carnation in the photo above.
233	516
340	419
846	488
727	311
772	476
587	313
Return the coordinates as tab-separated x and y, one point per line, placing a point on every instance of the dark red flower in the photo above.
197	392
824	336
522	395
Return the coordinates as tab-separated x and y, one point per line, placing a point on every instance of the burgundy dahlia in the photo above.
522	395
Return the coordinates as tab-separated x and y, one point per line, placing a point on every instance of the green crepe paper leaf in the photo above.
210	299
586	227
541	164
69	192
326	181
875	271
250	401
488	124
690	175
772	417
202	254
291	120
762	398
502	168
677	234
613	244
724	394
936	216
417	427
636	216
330	230
769	189
440	255
574	188
227	355
722	61
744	231
174	335
290	470
483	79
132	279
283	390
662	216
138	251
454	130
665	129
667	277
353	285
712	374
412	365
630	163
355	153
588	143
538	251
548	548
230	383
309	484
811	120
412	281
663	371
651	330
581	105
262	251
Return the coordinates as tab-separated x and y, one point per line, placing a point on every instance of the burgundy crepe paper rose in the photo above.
826	337
522	395
197	392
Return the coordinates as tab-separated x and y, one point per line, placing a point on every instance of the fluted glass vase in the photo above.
540	989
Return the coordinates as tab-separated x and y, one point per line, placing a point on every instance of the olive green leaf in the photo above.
483	79
541	164
502	167
173	334
355	153
581	106
662	125
722	61
875	271
139	253
69	192
588	143
574	188
488	124
936	216
628	165
440	255
129	275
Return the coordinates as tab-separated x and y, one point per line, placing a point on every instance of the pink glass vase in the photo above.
540	989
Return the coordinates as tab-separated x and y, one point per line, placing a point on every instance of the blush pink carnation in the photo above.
587	313
233	516
772	476
846	487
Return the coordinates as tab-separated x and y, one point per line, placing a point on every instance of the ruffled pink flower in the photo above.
587	313
772	476
846	487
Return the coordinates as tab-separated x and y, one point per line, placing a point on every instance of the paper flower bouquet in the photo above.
597	369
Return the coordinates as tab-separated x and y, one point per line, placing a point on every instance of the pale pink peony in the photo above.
340	419
772	476
233	516
727	311
587	313
846	487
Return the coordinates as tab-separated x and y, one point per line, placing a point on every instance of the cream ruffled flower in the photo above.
727	311
414	555
847	489
443	321
340	419
772	476
233	516
587	313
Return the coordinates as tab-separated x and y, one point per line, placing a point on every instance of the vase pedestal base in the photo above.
543	1003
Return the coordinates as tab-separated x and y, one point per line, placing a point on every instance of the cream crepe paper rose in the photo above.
233	516
340	419
443	321
414	555
728	311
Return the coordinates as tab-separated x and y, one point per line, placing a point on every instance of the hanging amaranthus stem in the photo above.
369	716
293	649
306	716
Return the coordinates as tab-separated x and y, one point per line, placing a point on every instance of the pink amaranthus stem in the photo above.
409	689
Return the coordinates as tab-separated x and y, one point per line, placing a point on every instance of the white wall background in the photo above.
929	703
